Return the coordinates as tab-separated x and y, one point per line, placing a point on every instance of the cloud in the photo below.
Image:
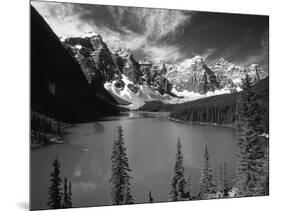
166	53
62	19
121	27
208	52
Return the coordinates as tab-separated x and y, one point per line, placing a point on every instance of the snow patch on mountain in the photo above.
186	96
145	93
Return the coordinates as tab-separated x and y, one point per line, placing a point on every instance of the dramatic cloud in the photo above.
161	34
138	29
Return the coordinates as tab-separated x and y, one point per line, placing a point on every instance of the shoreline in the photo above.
201	123
53	140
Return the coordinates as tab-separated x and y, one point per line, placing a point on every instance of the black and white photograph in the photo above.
135	105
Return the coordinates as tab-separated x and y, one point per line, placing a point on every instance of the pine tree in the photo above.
251	156
241	129
242	168
151	200
206	183
128	198
55	194
66	194
69	195
120	185
178	184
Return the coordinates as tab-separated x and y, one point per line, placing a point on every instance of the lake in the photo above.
151	141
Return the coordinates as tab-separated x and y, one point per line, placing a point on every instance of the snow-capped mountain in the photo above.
139	81
230	75
118	71
194	75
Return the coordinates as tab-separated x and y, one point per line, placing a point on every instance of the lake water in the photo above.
151	147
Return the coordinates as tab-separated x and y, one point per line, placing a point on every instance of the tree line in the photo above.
43	127
221	109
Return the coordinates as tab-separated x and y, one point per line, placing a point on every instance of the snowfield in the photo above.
146	93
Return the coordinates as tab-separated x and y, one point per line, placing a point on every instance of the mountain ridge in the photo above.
171	83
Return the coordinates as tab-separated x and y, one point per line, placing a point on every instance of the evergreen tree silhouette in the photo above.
66	194
120	177
206	183
178	184
70	194
55	195
251	165
128	198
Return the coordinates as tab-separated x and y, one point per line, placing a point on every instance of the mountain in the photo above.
118	71
230	75
59	89
194	75
134	82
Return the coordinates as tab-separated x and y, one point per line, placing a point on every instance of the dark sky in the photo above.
171	35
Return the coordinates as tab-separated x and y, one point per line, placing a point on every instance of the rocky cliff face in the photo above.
230	75
196	76
103	66
193	75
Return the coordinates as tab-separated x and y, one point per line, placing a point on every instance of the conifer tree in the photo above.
69	195
55	194
128	198
241	129
251	156
206	183
66	194
150	198
120	177
178	184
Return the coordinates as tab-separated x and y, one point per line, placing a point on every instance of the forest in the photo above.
218	109
45	130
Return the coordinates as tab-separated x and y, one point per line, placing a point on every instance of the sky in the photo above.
162	34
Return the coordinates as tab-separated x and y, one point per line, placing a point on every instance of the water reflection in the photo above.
137	115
